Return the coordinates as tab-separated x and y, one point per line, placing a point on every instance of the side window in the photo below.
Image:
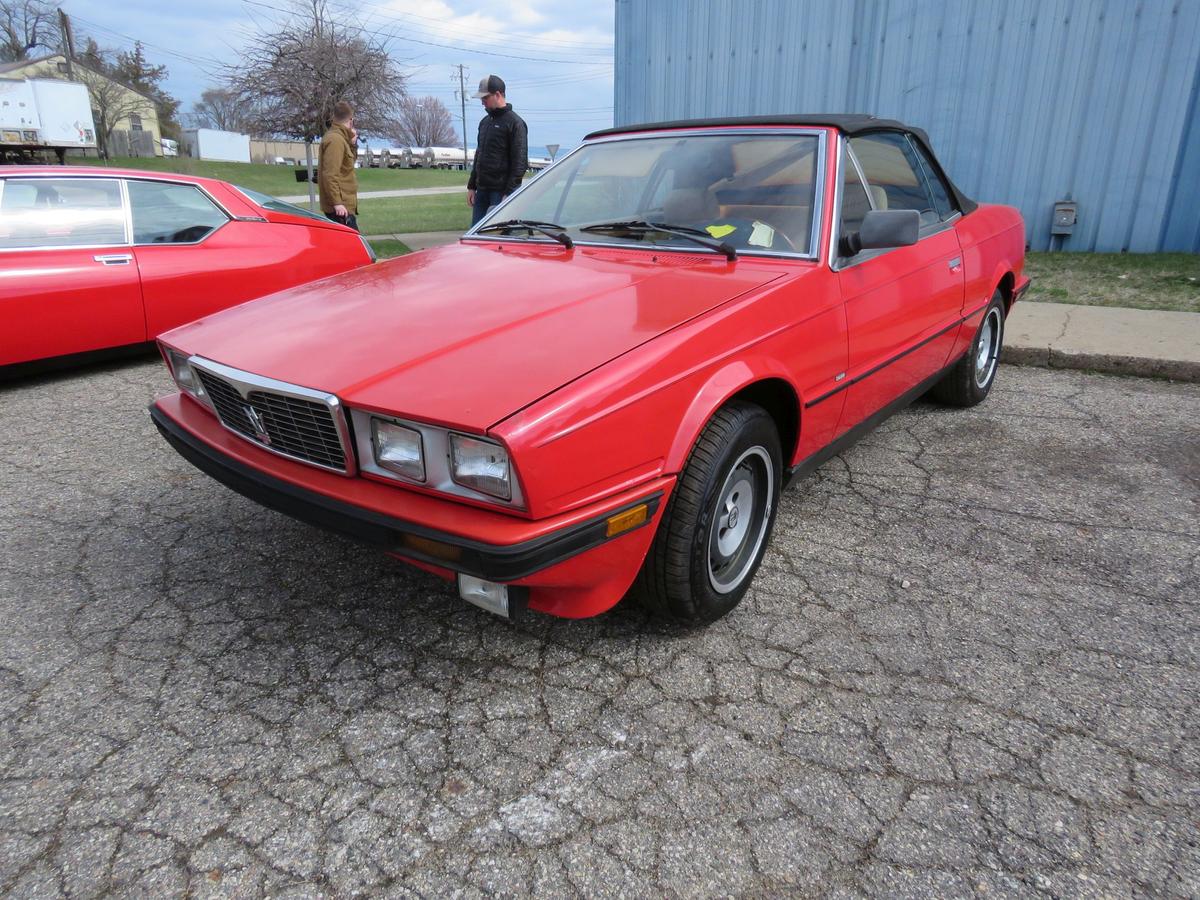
937	187
165	213
893	174
61	212
135	122
855	202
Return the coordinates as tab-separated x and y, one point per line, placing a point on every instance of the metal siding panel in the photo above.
1041	136
1181	229
1161	175
1026	102
1153	171
1135	129
1150	142
1057	132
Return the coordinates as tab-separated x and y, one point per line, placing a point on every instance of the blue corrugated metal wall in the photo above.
1026	101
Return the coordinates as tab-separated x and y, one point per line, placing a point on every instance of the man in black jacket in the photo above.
501	152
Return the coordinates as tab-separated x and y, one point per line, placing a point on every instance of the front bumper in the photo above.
538	553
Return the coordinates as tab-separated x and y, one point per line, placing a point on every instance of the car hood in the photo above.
466	335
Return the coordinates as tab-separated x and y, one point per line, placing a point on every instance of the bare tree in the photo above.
291	77
26	25
221	109
111	102
425	123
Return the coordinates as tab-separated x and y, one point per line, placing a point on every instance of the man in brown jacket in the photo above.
336	180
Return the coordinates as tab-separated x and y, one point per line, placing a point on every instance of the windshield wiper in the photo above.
637	226
550	229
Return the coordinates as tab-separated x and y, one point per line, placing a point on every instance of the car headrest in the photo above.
878	196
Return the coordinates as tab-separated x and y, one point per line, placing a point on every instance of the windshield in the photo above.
268	202
752	192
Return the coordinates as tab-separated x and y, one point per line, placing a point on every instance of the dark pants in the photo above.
484	200
350	220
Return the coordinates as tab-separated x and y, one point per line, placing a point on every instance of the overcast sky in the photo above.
555	55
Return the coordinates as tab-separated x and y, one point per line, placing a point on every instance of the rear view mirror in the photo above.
883	229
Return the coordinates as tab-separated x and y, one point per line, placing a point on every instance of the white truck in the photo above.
448	157
209	143
43	115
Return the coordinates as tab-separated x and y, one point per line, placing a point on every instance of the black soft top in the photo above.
850	124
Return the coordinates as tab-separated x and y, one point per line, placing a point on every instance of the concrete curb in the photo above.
1141	366
1148	343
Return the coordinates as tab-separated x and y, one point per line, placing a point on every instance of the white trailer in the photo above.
399	157
224	146
448	157
43	114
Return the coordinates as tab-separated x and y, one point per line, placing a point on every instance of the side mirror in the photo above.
883	229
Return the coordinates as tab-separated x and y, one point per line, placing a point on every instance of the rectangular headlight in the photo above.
480	465
183	373
398	449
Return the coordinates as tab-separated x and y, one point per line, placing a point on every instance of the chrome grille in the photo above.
291	426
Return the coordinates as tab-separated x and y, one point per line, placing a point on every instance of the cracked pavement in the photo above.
968	666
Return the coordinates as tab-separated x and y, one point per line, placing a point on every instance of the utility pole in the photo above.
462	95
69	42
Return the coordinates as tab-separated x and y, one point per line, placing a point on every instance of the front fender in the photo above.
731	379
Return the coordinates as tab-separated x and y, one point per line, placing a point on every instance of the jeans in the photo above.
484	200
350	220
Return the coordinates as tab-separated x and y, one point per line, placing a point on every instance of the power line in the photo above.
198	61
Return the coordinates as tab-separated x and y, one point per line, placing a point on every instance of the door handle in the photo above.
114	259
956	264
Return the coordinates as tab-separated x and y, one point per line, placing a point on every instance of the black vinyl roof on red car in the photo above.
850	124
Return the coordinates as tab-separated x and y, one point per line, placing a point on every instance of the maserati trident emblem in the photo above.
259	428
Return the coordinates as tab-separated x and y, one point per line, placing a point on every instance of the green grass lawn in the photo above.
398	215
1135	280
280	180
388	249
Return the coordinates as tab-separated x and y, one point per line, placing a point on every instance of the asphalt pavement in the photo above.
969	666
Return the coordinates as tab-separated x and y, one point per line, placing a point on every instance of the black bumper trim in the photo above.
493	562
1020	292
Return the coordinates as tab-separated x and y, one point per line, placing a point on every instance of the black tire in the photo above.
971	379
687	575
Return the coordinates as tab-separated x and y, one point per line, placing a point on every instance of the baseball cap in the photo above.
489	85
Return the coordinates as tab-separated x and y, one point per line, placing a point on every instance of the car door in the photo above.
191	262
903	305
68	283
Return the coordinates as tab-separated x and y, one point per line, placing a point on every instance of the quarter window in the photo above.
941	196
165	213
61	212
893	174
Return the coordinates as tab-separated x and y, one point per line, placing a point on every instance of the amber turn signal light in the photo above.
436	549
623	521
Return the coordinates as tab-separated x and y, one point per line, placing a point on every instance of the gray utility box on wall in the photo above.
1064	217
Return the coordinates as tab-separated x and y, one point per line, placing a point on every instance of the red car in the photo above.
96	259
602	388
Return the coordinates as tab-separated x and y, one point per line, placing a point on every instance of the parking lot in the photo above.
969	664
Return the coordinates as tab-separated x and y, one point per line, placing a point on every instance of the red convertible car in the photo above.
97	259
602	387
